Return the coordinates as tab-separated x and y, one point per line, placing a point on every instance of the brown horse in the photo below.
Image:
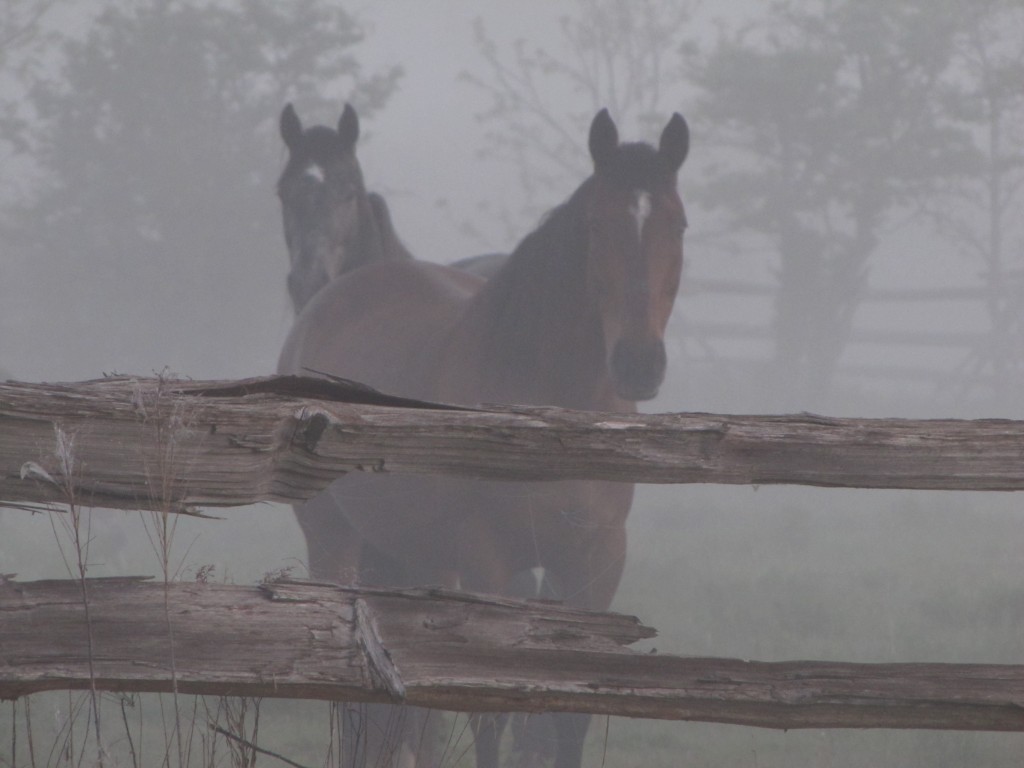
331	223
575	318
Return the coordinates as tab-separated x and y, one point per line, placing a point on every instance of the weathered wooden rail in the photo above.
172	445
155	444
453	651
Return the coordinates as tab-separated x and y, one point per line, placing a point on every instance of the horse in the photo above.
331	223
486	265
574	318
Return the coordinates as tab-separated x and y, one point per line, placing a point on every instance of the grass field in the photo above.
768	574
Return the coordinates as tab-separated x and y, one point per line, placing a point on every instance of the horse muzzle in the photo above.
638	368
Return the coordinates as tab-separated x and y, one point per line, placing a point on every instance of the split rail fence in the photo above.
179	446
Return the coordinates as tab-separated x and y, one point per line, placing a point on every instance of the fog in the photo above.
855	247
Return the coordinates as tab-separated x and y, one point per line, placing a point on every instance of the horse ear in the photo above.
348	126
291	126
675	142
604	138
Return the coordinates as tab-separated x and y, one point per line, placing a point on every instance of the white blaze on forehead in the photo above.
314	171
640	210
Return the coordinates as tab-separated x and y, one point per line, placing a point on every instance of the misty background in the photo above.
855	247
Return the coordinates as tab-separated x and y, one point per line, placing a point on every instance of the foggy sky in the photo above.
769	573
423	151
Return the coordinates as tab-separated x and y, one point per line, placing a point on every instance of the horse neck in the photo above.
367	245
540	333
390	244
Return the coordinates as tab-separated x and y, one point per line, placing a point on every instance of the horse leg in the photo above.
333	545
335	552
481	568
372	734
593	579
487	730
590	582
379	735
402	736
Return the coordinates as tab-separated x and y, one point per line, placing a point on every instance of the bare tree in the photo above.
620	55
827	126
155	137
19	22
982	213
21	35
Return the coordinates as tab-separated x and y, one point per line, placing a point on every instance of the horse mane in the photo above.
391	244
549	266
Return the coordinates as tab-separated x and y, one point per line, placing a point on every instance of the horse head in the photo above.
634	231
330	224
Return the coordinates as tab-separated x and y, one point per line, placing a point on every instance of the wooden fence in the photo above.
176	446
986	359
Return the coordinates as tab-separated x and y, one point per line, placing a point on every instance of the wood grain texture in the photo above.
158	444
454	651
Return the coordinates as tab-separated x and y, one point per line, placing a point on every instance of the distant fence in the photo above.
969	353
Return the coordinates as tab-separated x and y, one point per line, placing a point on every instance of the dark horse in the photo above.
575	318
331	223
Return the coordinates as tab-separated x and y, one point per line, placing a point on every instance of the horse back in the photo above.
380	324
